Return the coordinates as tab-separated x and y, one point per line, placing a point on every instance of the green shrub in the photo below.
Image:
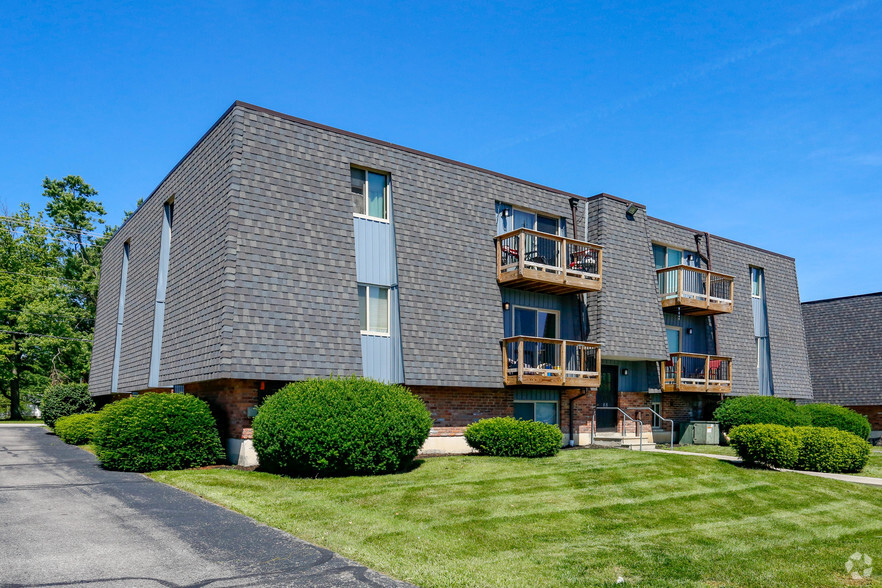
838	417
64	400
827	449
510	437
771	445
156	432
340	426
757	410
76	429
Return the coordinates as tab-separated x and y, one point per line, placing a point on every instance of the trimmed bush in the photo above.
340	426
157	432
510	437
838	417
827	449
64	400
757	410
771	445
76	429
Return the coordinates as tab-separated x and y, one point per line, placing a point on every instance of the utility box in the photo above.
699	433
706	432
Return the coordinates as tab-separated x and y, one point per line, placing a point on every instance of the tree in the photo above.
49	269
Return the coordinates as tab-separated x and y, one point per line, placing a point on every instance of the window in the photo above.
370	193
373	309
665	256
536	405
756	282
533	322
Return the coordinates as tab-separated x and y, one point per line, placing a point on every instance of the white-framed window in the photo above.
373	309
370	193
535	322
756	282
536	405
656	405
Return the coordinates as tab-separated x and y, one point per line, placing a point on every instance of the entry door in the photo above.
608	395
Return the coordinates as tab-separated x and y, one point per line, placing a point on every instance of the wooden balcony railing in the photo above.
691	372
550	362
695	291
540	262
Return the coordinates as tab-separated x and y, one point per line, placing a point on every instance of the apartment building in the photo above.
279	249
844	338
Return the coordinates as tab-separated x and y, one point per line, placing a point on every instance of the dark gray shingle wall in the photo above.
626	314
199	273
844	337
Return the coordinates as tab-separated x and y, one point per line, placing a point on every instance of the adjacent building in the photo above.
844	338
279	249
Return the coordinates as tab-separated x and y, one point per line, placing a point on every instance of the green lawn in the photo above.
582	518
20	421
712	449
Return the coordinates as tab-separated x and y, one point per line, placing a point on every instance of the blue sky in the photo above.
755	121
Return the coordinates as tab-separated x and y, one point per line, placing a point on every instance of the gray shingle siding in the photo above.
844	337
262	276
193	344
626	315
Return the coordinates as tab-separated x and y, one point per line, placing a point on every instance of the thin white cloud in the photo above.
682	79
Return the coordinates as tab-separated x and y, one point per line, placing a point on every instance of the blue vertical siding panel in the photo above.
760	321
374	252
636	380
376	264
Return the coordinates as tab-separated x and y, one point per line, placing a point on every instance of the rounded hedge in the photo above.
157	432
771	445
510	437
76	429
827	449
337	427
756	410
64	400
838	417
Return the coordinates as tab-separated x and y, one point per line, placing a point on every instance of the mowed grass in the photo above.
711	449
582	518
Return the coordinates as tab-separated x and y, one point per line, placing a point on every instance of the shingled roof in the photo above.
844	339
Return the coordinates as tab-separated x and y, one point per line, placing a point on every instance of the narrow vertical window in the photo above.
161	285
114	378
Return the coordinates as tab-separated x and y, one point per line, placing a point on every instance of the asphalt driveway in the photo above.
65	521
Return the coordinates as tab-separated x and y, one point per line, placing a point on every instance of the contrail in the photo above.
682	79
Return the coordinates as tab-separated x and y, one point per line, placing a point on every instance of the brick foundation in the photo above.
873	413
229	400
453	409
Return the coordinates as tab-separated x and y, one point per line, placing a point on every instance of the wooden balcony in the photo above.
540	262
535	361
695	291
691	372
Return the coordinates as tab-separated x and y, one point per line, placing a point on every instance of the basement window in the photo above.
536	405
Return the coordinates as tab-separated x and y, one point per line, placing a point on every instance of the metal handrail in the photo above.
624	430
660	417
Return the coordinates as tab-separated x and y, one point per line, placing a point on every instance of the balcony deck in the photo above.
540	262
695	291
692	372
536	361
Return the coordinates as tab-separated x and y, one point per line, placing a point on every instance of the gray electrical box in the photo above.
706	432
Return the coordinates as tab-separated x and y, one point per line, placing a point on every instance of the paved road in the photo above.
64	521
